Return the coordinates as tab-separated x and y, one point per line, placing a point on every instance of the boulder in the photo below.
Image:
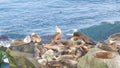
19	59
89	61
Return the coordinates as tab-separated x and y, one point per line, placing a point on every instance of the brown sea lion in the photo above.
17	42
81	36
57	35
26	40
114	39
35	38
107	47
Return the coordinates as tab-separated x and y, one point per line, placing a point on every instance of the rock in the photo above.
19	59
27	48
89	61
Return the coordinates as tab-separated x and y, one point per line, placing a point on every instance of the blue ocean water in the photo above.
19	18
4	65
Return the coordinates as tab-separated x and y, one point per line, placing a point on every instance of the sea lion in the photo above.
35	38
18	42
57	35
27	39
104	55
114	39
80	36
106	47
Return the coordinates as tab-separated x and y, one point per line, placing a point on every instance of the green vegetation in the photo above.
2	54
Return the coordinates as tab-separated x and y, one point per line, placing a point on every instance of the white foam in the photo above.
75	30
5	43
6	60
110	21
69	34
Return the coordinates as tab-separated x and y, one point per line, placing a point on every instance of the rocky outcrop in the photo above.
27	48
19	59
79	52
89	61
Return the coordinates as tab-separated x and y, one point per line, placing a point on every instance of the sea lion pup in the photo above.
104	55
26	40
35	38
57	35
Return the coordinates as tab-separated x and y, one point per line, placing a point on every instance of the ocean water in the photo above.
19	18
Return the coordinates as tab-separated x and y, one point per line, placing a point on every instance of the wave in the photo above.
103	30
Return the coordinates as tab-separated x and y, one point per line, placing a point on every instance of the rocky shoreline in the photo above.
79	51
